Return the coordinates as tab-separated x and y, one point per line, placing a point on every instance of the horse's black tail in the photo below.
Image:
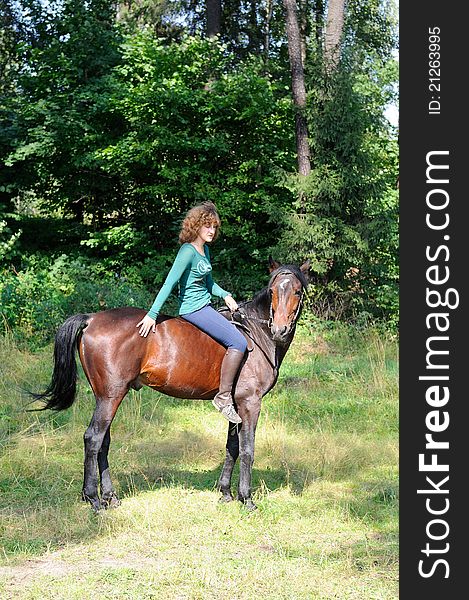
61	392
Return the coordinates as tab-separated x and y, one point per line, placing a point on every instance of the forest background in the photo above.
116	117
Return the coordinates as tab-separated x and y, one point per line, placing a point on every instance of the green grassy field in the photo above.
325	480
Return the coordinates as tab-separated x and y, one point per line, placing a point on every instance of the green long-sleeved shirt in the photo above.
193	272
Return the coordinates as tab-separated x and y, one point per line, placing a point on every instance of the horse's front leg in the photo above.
232	453
249	412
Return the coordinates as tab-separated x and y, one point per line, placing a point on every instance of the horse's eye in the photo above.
297	293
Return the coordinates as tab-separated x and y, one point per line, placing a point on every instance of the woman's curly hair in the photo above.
202	214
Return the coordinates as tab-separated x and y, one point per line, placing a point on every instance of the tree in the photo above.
298	87
8	40
269	11
182	144
347	223
123	125
333	33
11	33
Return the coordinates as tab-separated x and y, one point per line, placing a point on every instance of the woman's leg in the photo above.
211	322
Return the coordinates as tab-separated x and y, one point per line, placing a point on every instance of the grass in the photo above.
325	482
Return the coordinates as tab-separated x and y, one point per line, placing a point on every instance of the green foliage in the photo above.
38	298
162	17
53	126
195	131
122	243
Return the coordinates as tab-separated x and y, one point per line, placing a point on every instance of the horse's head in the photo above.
286	290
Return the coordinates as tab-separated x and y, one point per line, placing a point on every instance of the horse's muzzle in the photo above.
279	334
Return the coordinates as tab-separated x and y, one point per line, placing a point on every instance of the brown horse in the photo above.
178	360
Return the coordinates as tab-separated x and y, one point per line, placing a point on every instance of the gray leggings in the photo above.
209	320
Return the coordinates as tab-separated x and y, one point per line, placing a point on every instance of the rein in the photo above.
243	315
245	328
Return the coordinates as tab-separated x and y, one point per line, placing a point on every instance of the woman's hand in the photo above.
231	303
146	323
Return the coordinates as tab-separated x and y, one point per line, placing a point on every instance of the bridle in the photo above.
269	321
292	323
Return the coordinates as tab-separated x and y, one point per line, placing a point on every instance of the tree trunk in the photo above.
298	86
253	29
9	36
213	13
333	35
304	11
269	10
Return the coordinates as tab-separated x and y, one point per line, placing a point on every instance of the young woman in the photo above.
192	270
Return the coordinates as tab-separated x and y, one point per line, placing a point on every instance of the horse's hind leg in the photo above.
97	438
109	497
232	453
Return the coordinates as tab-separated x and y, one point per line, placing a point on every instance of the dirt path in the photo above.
22	575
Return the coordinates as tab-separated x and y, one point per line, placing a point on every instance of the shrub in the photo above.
38	298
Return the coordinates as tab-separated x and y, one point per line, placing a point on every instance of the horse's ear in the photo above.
305	267
273	264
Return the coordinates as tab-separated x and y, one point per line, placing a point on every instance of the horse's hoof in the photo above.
226	498
111	502
95	502
248	504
